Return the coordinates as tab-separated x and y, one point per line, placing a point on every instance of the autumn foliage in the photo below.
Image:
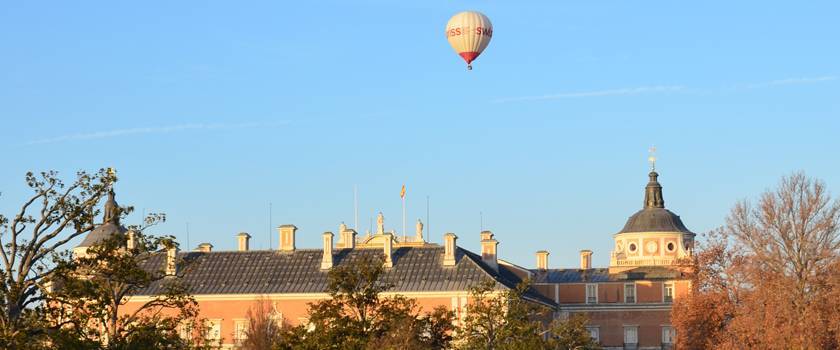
769	278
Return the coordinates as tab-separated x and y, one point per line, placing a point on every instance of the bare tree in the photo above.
33	241
793	237
769	278
265	329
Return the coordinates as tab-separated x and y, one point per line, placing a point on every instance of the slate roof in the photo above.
102	233
602	275
655	220
416	269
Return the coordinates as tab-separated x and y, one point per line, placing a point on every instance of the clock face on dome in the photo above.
651	247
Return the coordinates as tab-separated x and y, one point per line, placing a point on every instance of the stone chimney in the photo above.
388	245
449	247
244	241
287	238
131	243
171	259
585	259
205	247
542	260
488	250
347	237
327	259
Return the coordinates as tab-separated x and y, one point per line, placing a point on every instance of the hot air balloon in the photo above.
469	32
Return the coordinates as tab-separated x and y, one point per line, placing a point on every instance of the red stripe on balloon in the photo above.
469	56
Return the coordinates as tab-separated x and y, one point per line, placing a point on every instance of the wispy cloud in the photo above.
669	88
793	81
596	93
153	130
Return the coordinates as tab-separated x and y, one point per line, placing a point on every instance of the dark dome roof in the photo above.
654	217
654	220
101	233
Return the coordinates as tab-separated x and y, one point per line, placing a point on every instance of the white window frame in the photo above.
665	292
669	335
635	295
185	331
240	330
595	293
277	318
215	337
594	333
635	332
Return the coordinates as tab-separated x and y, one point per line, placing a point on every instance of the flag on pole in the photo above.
402	192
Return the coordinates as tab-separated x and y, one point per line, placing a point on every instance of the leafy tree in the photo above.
90	298
32	244
502	319
357	316
571	334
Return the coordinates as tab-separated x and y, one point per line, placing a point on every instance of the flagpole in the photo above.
403	208
355	209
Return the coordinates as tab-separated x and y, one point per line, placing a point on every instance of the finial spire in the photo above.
652	158
653	192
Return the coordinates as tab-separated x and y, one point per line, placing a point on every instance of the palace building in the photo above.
628	303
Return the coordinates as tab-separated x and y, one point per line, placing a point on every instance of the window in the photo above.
632	247
594	333
630	293
276	318
240	331
214	331
668	335
671	247
631	334
591	293
668	293
185	331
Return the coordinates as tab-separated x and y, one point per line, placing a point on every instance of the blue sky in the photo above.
212	110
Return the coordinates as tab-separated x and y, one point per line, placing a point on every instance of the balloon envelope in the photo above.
469	33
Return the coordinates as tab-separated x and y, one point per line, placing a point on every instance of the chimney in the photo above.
347	237
205	247
389	249
131	242
287	238
327	259
585	259
449	247
488	249
542	260
171	256
244	240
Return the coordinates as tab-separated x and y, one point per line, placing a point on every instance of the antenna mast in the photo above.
428	223
355	208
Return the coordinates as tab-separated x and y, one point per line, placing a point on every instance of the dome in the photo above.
110	225
654	220
101	233
654	217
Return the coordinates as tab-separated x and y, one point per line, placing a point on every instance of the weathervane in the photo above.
652	158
